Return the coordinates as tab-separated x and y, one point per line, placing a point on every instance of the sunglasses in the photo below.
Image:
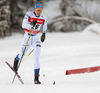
39	10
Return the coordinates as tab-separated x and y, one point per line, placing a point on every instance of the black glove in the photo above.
43	37
33	23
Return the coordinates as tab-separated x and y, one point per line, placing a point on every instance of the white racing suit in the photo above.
35	39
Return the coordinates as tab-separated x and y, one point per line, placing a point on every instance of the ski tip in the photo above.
6	62
11	83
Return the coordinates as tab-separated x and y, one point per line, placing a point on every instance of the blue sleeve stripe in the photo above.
43	22
27	15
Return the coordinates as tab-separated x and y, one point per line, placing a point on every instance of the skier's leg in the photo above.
37	51
17	58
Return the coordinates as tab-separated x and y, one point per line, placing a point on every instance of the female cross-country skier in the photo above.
33	19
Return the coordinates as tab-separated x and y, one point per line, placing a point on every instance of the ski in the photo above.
15	72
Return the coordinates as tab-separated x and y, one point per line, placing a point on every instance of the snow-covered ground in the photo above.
60	52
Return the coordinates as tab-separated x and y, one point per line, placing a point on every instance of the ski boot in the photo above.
36	80
15	65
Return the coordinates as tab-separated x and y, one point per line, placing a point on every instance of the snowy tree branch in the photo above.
72	18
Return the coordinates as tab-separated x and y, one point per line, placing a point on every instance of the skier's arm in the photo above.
45	25
44	30
25	23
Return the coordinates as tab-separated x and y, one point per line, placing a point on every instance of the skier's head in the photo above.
38	8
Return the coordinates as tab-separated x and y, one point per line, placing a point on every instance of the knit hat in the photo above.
39	5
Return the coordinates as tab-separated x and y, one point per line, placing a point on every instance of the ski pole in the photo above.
30	52
22	56
24	51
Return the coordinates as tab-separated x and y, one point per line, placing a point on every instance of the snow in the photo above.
94	28
60	52
52	9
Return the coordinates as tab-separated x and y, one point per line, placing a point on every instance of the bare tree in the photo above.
76	21
5	21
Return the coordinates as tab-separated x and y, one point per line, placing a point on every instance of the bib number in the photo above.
37	26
